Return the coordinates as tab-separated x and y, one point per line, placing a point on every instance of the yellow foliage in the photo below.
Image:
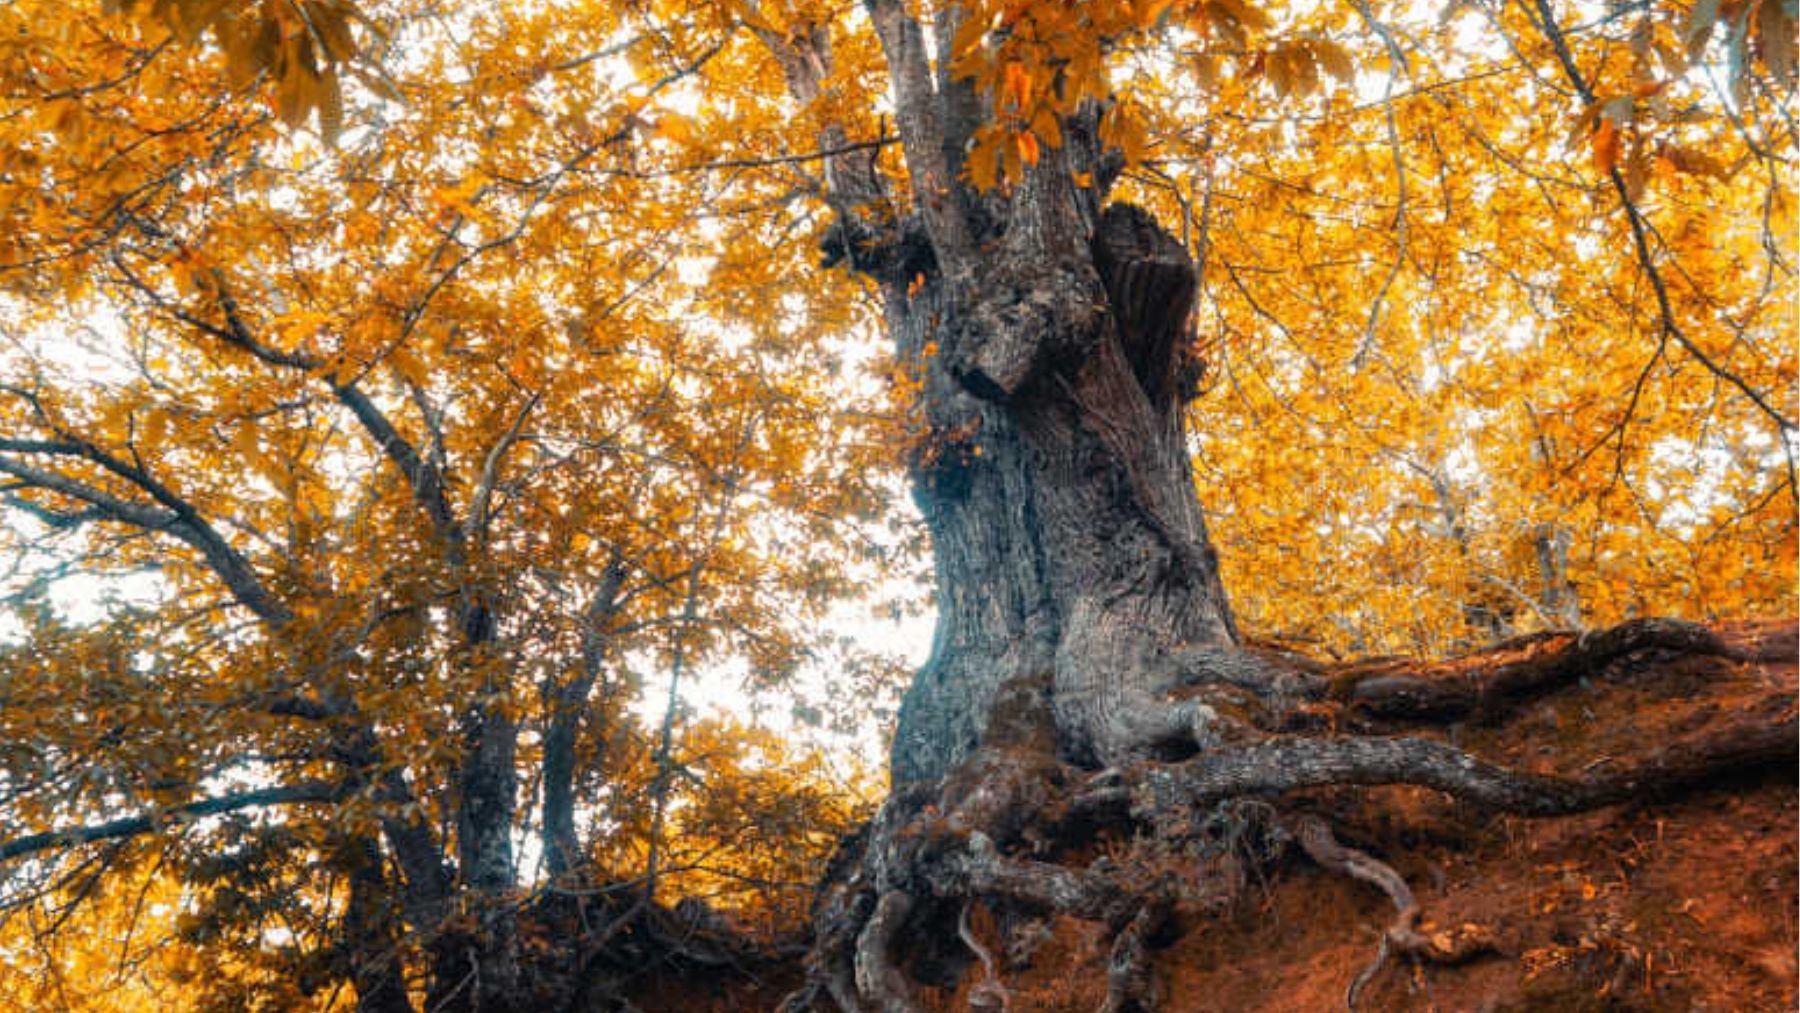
1486	350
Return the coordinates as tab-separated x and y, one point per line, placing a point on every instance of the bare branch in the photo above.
490	469
133	826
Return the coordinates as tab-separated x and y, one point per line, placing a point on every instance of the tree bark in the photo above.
1054	476
377	968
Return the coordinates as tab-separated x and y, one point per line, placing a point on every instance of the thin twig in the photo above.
1397	64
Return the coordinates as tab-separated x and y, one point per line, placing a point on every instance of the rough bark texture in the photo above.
568	705
370	932
1053	475
1056	483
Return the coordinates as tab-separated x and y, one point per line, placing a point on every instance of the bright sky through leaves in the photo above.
479	360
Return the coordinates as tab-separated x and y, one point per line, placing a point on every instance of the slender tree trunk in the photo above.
568	703
373	919
474	931
487	801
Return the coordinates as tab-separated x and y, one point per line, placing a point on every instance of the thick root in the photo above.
1488	685
877	979
1130	981
1767	735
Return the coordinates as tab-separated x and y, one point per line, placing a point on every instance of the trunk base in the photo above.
992	865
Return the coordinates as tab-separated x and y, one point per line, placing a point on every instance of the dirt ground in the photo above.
1676	904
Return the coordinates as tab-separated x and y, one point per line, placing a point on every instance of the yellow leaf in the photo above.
1333	59
675	127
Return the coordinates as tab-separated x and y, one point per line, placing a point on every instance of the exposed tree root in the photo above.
1018	830
1402	937
877	979
1766	735
1130	984
989	995
1519	670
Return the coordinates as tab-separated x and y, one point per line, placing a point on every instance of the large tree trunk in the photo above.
1056	484
1054	476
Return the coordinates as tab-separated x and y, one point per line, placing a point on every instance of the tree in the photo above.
426	507
1080	592
1486	303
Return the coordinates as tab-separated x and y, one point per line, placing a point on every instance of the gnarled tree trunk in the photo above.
1056	484
1051	338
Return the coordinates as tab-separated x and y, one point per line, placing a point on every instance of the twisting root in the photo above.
1403	936
1366	975
1522	669
1763	734
1008	827
990	996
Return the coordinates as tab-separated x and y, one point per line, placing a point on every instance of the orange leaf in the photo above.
1606	146
1016	85
1028	147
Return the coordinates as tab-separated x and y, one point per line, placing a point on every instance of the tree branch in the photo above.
921	132
1398	63
132	826
425	480
1546	21
114	508
176	518
490	469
